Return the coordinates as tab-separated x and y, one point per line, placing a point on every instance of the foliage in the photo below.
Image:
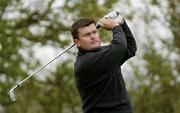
158	87
41	22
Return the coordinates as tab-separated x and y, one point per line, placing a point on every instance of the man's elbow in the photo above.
133	52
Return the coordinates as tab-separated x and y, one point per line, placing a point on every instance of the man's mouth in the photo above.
94	42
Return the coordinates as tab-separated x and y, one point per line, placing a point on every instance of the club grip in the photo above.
113	15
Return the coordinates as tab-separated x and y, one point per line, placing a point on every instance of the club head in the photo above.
12	95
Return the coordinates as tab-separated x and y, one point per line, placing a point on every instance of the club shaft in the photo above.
39	69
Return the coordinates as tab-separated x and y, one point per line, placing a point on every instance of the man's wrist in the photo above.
116	25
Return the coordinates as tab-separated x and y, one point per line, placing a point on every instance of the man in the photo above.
98	69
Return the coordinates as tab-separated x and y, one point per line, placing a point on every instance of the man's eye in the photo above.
94	32
87	34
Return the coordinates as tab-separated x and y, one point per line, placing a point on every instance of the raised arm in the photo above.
131	43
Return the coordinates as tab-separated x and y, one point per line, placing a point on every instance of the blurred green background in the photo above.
34	31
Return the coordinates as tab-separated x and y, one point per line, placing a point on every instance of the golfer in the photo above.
97	68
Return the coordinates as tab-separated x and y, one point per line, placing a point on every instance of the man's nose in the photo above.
92	36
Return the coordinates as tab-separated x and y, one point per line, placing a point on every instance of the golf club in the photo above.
114	14
12	90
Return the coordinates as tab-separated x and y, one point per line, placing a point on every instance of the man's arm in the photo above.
131	43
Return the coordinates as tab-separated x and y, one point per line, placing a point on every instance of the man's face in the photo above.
88	38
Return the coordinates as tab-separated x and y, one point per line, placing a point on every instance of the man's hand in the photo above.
108	23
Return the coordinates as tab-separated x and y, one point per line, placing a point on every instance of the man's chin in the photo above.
95	48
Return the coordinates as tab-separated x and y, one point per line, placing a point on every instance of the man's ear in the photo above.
76	42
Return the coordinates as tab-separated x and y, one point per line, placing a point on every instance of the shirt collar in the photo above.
83	51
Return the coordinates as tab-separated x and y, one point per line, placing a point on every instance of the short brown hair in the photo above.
80	23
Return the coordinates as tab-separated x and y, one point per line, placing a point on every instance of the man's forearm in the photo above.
131	43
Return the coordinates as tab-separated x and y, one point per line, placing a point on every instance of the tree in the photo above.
157	87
